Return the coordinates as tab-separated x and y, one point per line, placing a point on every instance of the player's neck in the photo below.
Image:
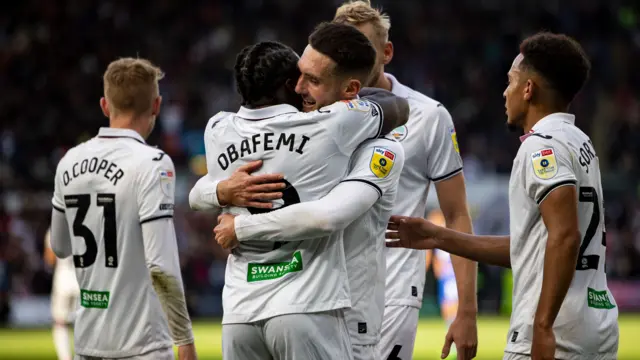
128	122
538	113
383	82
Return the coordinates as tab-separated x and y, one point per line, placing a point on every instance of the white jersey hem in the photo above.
125	354
238	318
404	302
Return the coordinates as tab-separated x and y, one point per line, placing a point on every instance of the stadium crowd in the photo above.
52	55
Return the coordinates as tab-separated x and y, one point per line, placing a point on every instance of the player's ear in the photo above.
155	109
352	88
104	106
528	89
388	52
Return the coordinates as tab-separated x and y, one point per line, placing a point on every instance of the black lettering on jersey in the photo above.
244	148
159	157
262	142
374	112
286	140
223	162
304	141
586	155
232	153
93	166
268	141
255	139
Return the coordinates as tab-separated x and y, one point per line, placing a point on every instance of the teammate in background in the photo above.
445	276
562	307
64	299
112	210
432	155
275	304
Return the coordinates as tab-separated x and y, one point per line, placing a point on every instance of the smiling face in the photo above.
319	85
517	94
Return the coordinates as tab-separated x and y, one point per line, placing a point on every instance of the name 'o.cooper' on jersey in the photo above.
431	155
312	150
107	187
378	163
557	153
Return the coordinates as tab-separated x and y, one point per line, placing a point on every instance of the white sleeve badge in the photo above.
544	163
382	161
357	105
166	182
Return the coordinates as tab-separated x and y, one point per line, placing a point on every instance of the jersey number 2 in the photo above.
585	262
108	203
289	197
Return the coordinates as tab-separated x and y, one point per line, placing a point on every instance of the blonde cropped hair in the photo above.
131	85
361	12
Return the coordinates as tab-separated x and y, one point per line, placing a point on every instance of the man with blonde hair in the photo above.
112	210
432	155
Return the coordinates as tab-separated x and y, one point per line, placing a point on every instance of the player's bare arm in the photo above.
395	109
240	189
559	213
463	331
49	255
418	233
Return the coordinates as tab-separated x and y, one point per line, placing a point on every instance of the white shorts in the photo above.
160	354
63	306
366	352
315	336
399	328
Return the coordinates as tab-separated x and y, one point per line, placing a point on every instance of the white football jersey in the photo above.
312	150
431	155
378	163
556	153
107	187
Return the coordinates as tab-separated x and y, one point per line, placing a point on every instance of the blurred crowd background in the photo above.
53	54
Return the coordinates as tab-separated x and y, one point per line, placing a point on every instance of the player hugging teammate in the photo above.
305	176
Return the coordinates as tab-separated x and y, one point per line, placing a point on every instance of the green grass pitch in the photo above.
37	344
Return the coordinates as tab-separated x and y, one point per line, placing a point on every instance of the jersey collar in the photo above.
549	122
396	88
266	112
110	133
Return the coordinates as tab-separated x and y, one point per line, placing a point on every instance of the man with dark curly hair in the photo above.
562	307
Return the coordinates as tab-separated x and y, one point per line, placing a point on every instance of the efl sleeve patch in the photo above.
357	105
454	139
166	182
544	163
382	161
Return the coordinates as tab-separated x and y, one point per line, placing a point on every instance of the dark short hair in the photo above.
347	46
559	59
262	69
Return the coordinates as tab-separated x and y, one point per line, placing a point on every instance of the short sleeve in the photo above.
442	151
547	166
353	122
57	201
156	189
377	163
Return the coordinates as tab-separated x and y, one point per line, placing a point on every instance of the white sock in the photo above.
61	341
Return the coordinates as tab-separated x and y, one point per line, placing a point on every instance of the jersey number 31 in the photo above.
82	202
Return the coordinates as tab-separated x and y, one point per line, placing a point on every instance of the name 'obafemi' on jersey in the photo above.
312	150
556	153
107	187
